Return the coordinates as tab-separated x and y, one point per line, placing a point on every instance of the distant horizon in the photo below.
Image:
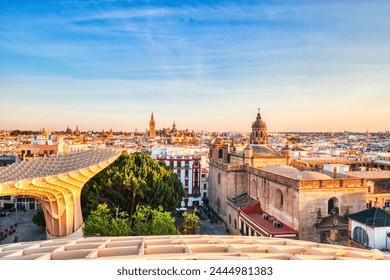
198	131
310	66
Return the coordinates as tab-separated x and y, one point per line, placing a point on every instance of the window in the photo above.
360	235
219	178
279	199
235	224
333	206
205	186
196	164
387	203
171	164
230	219
220	153
178	163
186	173
196	179
196	193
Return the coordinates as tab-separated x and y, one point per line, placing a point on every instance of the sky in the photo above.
207	65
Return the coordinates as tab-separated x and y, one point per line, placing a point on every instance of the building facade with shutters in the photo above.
188	166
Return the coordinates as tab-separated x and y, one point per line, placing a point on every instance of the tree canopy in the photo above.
132	180
101	223
191	223
148	221
39	219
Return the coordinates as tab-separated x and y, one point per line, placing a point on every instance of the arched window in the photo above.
360	235
230	219
235	224
257	134
333	206
220	153
279	199
219	178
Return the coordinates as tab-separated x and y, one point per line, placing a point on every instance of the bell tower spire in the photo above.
259	131
152	127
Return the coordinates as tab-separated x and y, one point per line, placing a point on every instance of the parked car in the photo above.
4	212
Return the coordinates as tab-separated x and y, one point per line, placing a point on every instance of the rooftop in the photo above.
179	247
242	200
380	174
375	217
262	149
255	213
294	173
54	164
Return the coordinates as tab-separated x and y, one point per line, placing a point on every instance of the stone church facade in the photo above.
171	136
304	201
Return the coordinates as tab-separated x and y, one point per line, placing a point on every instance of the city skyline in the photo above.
206	65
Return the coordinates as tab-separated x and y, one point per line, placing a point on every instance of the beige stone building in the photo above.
307	202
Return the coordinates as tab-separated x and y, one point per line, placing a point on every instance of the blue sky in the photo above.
309	65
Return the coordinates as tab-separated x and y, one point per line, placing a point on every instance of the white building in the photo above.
298	152
187	163
336	168
371	228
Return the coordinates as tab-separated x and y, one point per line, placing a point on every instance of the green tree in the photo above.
39	219
102	223
191	223
133	180
148	221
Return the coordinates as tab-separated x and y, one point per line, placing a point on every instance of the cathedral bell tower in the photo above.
259	131
152	127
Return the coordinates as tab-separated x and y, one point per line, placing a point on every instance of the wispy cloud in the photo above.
208	56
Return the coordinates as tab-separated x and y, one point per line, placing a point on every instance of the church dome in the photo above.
217	140
263	149
258	121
